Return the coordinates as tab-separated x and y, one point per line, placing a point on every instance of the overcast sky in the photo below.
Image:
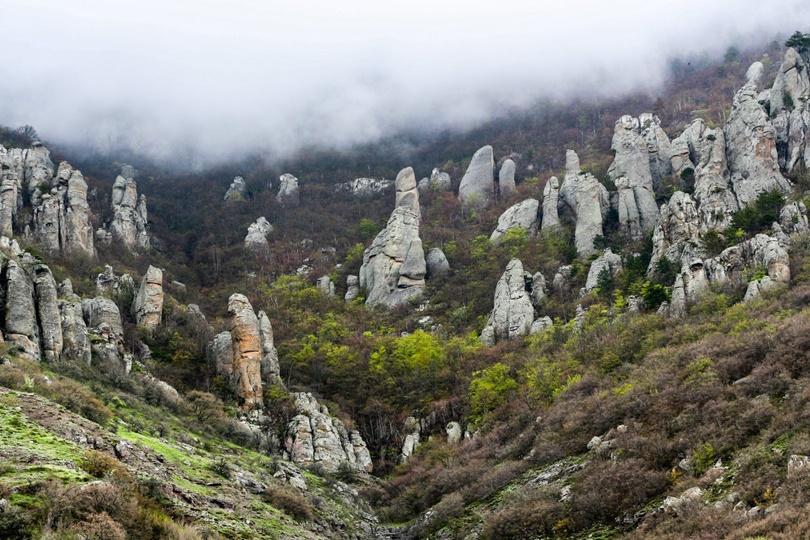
222	78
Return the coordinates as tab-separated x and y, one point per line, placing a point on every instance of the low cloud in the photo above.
219	80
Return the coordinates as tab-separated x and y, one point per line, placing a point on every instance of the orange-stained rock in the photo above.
247	352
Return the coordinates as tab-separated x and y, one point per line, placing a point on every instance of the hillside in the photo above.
580	320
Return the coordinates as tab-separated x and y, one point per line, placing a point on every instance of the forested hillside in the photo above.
585	319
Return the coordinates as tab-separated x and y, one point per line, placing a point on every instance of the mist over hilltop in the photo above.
203	83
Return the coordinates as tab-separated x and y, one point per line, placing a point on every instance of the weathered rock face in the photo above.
75	340
407	194
790	111
129	211
288	195
256	239
436	263
757	287
523	215
589	213
753	160
247	352
454	433
438	181
716	202
60	214
608	261
21	328
793	218
412	430
584	197
364	188
762	251
147	307
477	185
220	354
658	147
103	322
551	199
48	313
313	436
676	234
325	285
513	313
506	178
352	288
632	163
393	269
238	191
271	373
543	323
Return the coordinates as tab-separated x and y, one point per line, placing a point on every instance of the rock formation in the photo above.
477	185
364	188
129	220
583	196
314	436
60	215
436	263
21	328
438	181
677	232
513	313
630	171
48	313
75	339
238	191
607	261
220	354
256	239
543	323
412	430
352	288
247	352
407	194
288	196
790	111
270	370
658	147
325	285
147	307
506	178
393	269
551	199
753	160
522	215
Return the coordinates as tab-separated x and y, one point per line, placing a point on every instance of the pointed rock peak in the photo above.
506	178
129	172
407	194
627	123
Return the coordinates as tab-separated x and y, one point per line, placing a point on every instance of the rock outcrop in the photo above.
129	220
477	185
393	269
551	199
147	307
658	147
608	261
412	430
270	370
237	191
677	232
753	160
220	355
584	197
21	328
513	313
407	194
48	313
256	239
522	215
438	181
352	288
288	195
631	173
247	353
325	285
436	263
314	436
506	178
364	188
60	215
790	111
